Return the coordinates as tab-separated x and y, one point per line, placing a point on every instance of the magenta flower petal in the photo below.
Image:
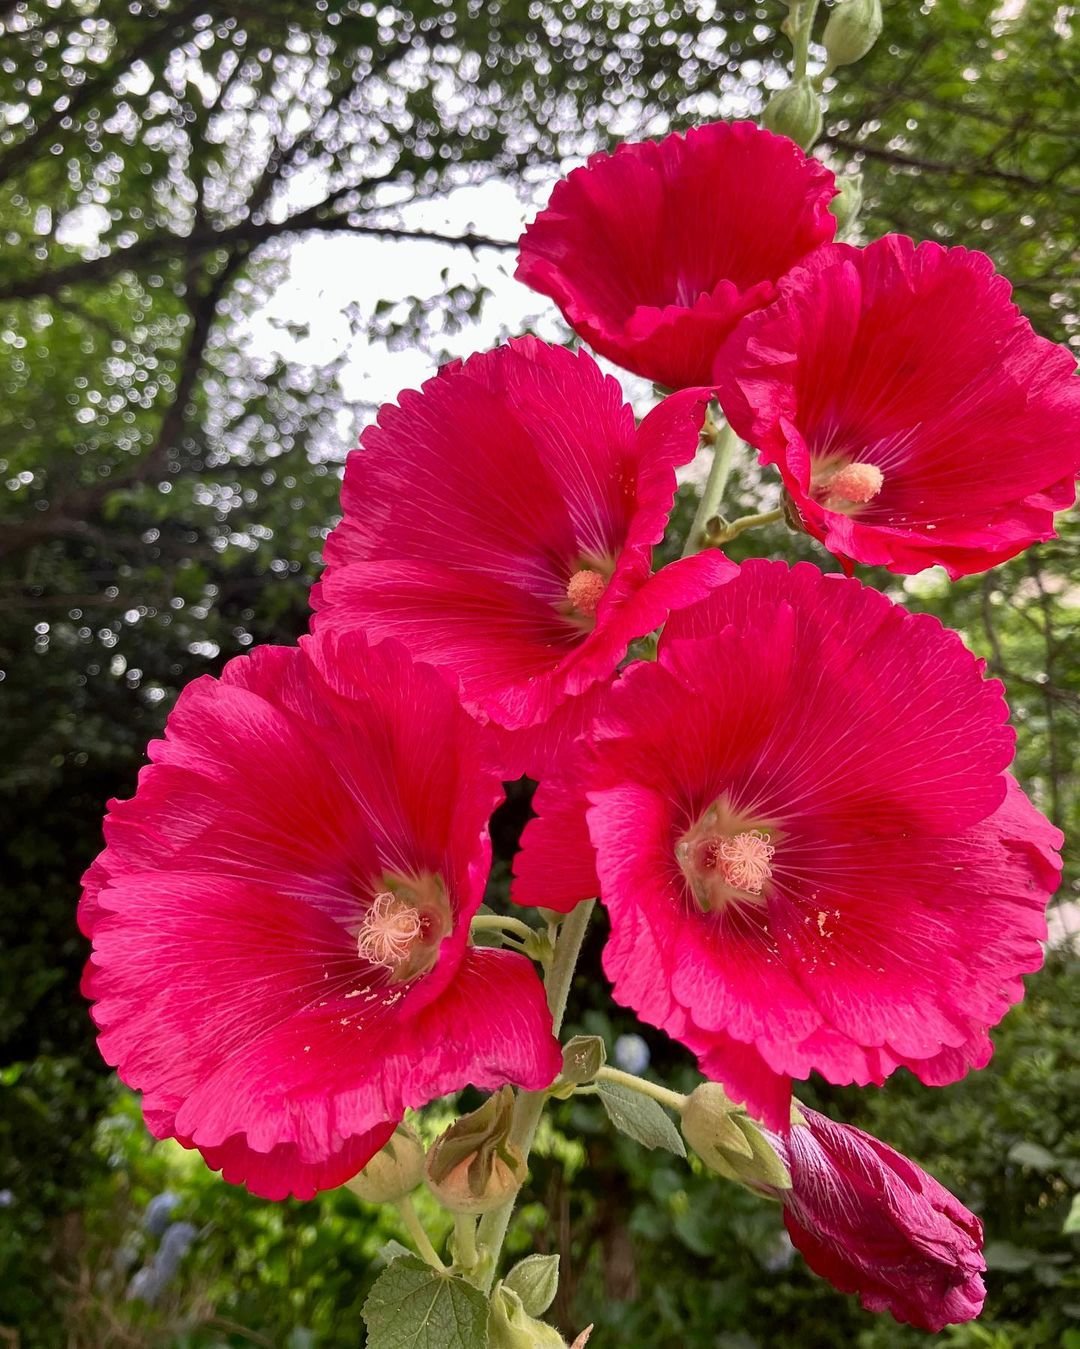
915	416
810	850
280	917
873	1223
556	865
500	523
279	1173
653	253
541	751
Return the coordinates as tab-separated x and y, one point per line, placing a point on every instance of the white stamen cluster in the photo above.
744	860
389	929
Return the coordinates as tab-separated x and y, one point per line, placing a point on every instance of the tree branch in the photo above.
158	248
203	312
904	161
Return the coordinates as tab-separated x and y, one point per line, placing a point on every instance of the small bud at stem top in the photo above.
853	28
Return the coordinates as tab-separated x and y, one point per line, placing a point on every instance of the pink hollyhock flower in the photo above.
501	523
280	917
803	830
914	415
873	1223
653	253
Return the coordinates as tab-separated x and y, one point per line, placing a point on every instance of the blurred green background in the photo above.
221	231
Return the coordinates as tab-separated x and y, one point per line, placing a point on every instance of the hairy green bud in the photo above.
511	1327
583	1057
852	29
536	1281
392	1173
795	112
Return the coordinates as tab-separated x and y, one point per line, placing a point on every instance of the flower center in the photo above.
725	859
856	483
585	590
389	930
743	860
405	924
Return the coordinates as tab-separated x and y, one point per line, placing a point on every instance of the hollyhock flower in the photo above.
873	1223
811	853
915	416
501	522
280	917
653	253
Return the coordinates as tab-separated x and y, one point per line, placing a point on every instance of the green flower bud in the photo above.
583	1057
848	202
853	28
511	1327
536	1281
795	112
392	1173
730	1143
473	1167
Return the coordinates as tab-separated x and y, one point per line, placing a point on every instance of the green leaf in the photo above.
1033	1155
640	1118
1072	1221
1011	1259
412	1306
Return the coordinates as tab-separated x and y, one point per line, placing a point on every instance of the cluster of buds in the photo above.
852	29
471	1168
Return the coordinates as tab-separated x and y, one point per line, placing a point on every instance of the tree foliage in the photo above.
166	487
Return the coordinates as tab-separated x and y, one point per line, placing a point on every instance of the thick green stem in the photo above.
415	1229
530	1104
743	523
465	1240
803	25
724	441
672	1099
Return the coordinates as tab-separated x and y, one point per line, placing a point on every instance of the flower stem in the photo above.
465	1252
743	523
497	922
672	1099
530	1104
723	440
415	1229
800	38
